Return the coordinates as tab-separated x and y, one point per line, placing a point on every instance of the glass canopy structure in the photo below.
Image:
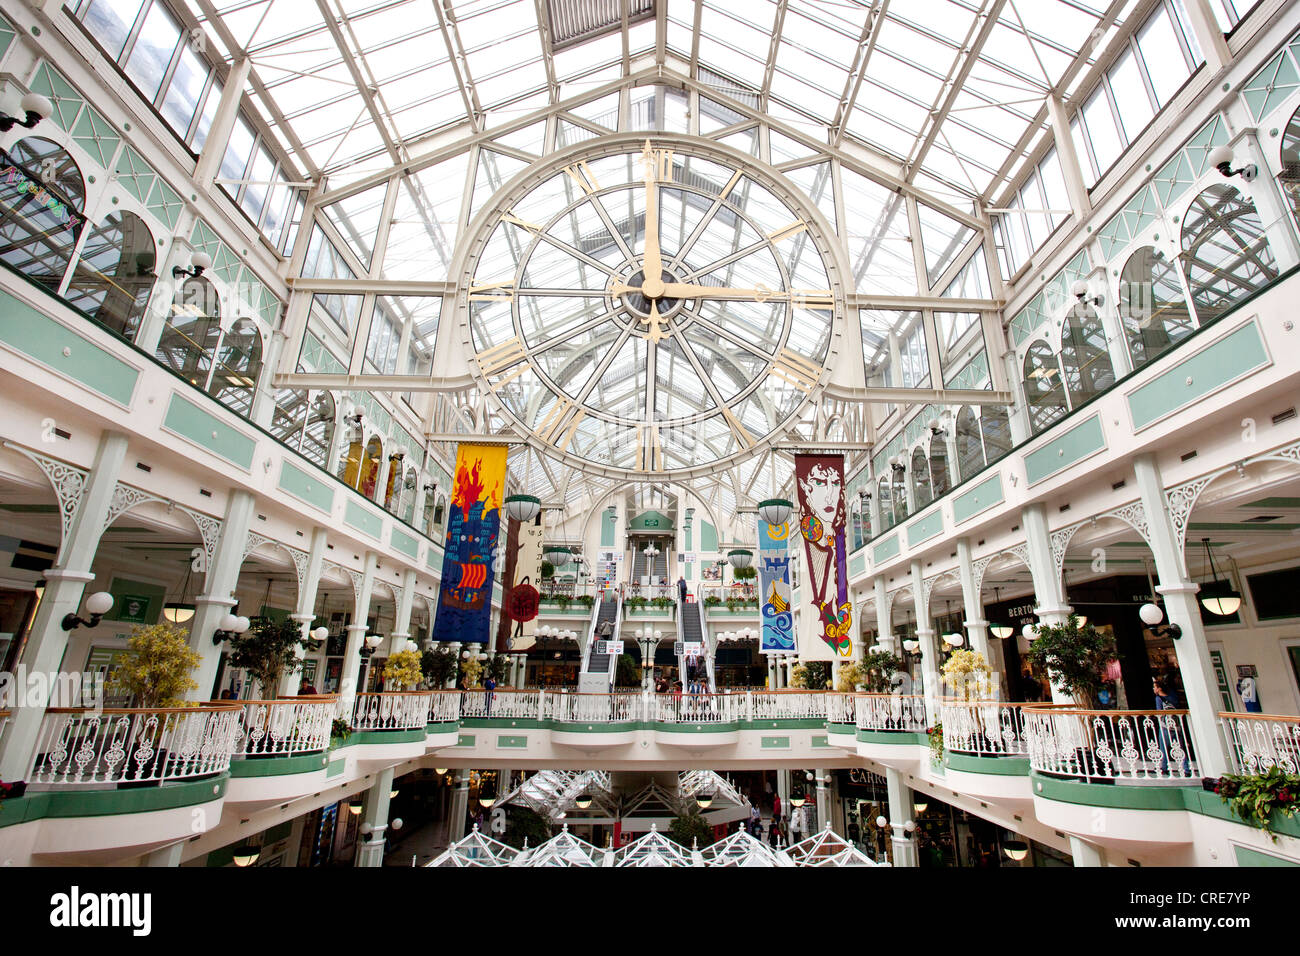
653	240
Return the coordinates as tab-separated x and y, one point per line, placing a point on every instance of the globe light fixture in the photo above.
954	639
1151	616
320	633
740	557
97	605
1015	850
523	508
1218	597
246	854
354	806
775	511
583	800
1001	631
704	800
881	821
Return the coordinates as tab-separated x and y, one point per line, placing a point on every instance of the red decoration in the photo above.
522	602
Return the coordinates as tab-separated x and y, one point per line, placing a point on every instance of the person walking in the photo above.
1165	700
489	685
681	591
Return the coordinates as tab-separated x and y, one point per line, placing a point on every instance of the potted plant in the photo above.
586	600
402	671
935	736
498	667
548	570
967	673
155	672
691	830
1074	657
627	674
811	675
438	665
471	670
1255	797
849	678
712	601
878	669
340	731
269	650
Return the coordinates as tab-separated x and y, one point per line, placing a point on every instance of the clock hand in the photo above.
816	298
653	264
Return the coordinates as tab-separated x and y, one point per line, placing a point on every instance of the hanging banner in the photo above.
522	598
777	635
473	527
825	612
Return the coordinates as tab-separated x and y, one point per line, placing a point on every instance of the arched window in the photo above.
940	480
1043	389
1225	254
371	461
1084	357
899	490
41	198
922	492
115	273
239	363
304	422
857	524
426	521
193	330
408	494
886	503
1151	305
1289	177
970	453
440	512
350	464
393	485
996	430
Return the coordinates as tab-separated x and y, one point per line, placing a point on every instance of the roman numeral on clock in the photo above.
797	370
581	174
500	357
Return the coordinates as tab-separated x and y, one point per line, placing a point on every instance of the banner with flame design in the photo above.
774	589
473	530
825	611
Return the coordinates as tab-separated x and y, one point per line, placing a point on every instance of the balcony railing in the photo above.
1258	742
285	727
696	708
444	706
400	710
984	728
513	704
840	708
788	705
134	745
1131	745
594	708
891	713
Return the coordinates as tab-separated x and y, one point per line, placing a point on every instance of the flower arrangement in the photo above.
935	734
712	601
402	671
15	789
471	670
967	673
155	670
849	678
1256	797
339	729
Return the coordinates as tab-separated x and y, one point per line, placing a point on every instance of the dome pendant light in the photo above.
1218	597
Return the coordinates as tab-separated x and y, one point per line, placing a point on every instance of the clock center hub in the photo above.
650	289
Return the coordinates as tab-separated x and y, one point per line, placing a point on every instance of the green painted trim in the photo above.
885	549
858	564
517	742
527	723
722	727
581	726
923	529
901	738
277	766
335	767
62	804
403	542
978	499
206	430
465	740
1117	796
304	487
364	737
364	520
775	743
44	341
848	729
794	723
1065	449
821	741
998	766
1212	805
1248	857
441	727
1214	367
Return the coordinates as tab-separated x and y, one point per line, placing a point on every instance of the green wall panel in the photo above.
206	430
1236	354
514	742
923	529
885	550
42	339
1248	857
363	520
858	563
708	537
984	495
1065	449
313	490
608	528
776	743
405	543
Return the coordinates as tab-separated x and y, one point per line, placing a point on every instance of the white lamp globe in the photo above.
241	624
881	821
1151	614
320	633
101	602
1027	632
228	623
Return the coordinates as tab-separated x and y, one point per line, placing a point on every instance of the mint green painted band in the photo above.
111	802
277	766
999	766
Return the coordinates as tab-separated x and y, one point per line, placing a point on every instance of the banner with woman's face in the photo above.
825	611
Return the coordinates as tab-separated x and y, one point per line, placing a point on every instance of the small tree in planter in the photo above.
438	666
471	670
402	671
498	667
1073	657
691	829
811	675
155	670
849	678
967	673
627	673
878	669
269	651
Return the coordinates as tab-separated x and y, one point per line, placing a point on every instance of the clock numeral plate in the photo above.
581	174
797	370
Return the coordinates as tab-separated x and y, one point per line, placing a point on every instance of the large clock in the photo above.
651	308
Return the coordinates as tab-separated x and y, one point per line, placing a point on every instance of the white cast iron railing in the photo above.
897	713
511	704
696	708
595	708
288	726
400	710
984	727
788	705
840	708
123	745
1135	745
444	706
1260	741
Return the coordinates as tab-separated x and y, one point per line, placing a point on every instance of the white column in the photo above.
1071	165
1208	35
929	648
1192	651
884	627
1048	592
223	122
1274	211
459	807
218	596
823	798
977	629
900	812
454	647
303	613
374	810
1086	853
402	615
65	584
356	636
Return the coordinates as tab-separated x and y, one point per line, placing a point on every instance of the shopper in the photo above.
1165	700
681	591
489	685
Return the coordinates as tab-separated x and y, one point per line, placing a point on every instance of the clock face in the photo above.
651	308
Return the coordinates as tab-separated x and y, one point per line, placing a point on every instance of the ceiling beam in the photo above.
858	71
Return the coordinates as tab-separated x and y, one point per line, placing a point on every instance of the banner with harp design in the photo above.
473	529
774	587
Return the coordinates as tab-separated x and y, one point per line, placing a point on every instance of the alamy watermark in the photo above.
23	688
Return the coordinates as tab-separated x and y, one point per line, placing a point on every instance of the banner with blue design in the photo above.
473	530
774	589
